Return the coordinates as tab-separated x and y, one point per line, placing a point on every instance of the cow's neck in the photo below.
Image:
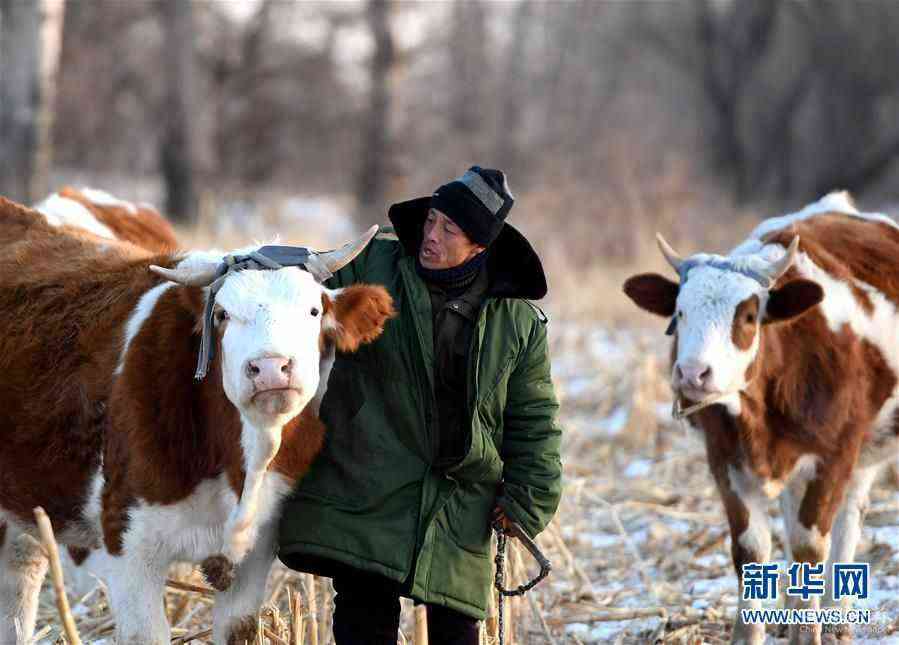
769	431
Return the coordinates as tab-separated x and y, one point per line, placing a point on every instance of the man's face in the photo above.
444	244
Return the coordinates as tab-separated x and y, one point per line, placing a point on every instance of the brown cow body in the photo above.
136	463
804	378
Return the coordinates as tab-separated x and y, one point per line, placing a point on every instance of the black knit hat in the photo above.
477	202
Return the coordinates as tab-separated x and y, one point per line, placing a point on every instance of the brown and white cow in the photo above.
797	353
109	218
138	464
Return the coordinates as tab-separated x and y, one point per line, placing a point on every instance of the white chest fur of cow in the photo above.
194	528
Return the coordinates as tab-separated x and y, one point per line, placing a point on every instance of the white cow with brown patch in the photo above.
785	357
137	463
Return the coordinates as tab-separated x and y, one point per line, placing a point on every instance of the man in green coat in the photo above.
447	419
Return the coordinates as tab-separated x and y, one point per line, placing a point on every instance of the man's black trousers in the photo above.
367	612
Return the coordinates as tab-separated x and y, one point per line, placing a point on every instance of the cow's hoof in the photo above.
218	571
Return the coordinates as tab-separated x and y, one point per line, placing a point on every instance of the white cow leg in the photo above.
136	586
750	533
23	566
846	533
234	614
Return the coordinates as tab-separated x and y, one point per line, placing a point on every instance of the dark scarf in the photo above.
455	280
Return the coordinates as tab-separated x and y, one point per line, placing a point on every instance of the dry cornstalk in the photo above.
206	633
659	509
572	564
273	637
184	586
324	620
312	601
541	619
296	618
682	634
52	551
101	627
43	633
610	614
491	625
421	625
178	611
276	589
632	547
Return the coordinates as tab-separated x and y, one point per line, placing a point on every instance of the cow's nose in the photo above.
270	373
694	374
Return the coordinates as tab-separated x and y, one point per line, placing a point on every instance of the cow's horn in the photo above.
192	276
338	258
780	267
674	259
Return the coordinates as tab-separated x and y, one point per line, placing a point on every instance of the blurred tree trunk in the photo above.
733	47
51	46
376	155
513	88
20	96
177	149
469	67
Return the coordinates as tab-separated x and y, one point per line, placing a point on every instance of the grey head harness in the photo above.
266	258
723	265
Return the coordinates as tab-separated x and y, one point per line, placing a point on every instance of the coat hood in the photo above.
515	269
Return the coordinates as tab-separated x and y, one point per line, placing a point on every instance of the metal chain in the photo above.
499	580
500	575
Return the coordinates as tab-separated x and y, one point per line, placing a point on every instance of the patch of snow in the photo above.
603	540
713	586
615	422
713	560
577	386
638	468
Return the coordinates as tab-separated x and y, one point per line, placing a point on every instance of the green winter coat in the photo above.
372	500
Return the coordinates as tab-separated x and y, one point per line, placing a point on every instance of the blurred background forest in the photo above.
612	119
242	119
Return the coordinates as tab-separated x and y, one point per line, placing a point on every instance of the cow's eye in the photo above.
221	316
314	311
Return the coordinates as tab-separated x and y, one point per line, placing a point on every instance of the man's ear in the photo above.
653	292
356	315
791	300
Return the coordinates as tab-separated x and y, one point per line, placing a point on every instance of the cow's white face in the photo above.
717	313
270	323
272	327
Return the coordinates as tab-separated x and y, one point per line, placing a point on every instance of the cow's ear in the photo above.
356	315
653	292
791	300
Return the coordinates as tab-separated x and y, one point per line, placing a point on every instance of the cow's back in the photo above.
862	252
